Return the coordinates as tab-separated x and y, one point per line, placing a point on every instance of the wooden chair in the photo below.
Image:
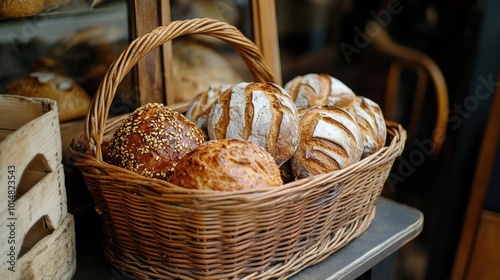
402	59
477	255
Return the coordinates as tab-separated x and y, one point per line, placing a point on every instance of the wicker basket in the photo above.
153	229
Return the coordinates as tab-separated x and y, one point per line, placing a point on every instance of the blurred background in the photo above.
356	41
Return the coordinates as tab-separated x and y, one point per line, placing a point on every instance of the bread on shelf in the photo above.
72	100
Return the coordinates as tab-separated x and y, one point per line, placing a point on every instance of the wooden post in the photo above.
147	75
265	32
152	76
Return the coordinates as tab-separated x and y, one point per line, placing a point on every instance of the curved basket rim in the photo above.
163	187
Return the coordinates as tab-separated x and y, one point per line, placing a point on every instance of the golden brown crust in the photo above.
371	120
227	165
330	139
24	8
319	90
152	140
202	103
72	100
262	113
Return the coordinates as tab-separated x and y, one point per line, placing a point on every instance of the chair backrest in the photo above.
403	59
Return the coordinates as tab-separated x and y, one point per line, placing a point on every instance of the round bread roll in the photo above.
319	90
330	139
72	100
227	165
24	8
262	113
370	118
152	140
202	103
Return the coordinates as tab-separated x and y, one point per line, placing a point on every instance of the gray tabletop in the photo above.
394	225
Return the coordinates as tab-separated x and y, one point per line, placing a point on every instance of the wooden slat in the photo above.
147	75
485	254
152	75
166	18
265	32
478	191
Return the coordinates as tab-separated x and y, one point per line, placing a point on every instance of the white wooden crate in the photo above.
33	195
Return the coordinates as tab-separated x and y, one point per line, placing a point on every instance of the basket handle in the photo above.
98	112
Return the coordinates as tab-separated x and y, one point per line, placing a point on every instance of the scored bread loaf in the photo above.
152	140
227	165
370	118
262	113
319	90
72	100
199	108
330	139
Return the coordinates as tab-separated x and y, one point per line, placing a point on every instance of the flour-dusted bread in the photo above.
152	140
202	103
227	165
72	100
330	139
319	90
262	113
371	120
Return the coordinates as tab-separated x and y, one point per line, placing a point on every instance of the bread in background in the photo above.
319	90
25	8
371	120
72	100
197	67
200	106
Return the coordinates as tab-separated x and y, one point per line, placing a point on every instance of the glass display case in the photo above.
80	39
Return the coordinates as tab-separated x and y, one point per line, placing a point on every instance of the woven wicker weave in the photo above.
153	229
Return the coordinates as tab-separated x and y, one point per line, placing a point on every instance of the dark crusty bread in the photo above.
371	120
262	113
152	140
72	100
227	165
330	139
319	90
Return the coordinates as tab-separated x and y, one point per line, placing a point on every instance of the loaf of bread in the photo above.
330	139
72	100
197	67
370	118
199	108
227	165
262	113
24	8
85	56
319	90
152	140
